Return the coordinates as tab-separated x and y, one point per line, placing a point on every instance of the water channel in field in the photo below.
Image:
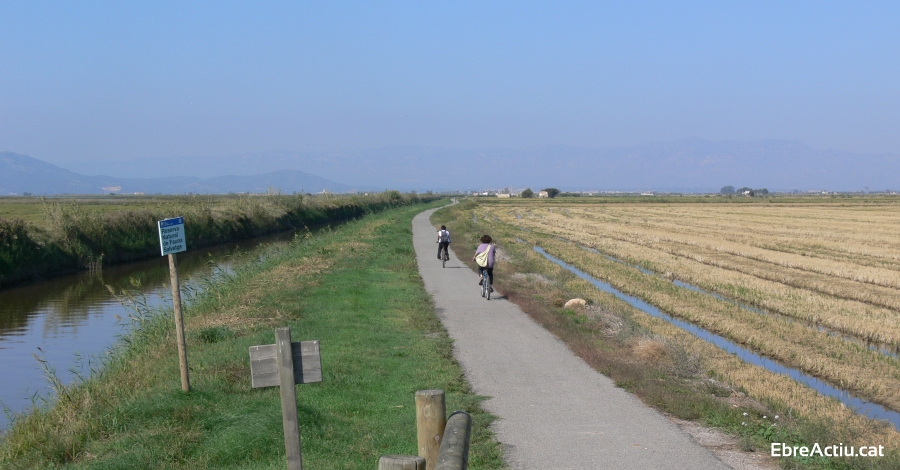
881	348
72	320
863	407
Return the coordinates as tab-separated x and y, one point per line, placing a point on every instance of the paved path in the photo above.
556	412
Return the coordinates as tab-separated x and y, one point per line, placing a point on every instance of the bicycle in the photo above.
486	287
445	256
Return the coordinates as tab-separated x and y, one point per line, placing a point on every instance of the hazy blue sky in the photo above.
123	80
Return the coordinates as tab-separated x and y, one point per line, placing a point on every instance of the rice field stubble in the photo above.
846	364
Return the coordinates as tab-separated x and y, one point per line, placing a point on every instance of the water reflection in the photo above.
69	320
863	407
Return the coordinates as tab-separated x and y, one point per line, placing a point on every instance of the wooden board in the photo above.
264	364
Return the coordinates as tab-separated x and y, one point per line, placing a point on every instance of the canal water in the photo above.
887	350
72	320
863	407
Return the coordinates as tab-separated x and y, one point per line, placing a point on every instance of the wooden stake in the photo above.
285	359
454	453
431	418
179	323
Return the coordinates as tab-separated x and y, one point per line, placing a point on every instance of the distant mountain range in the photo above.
691	165
20	174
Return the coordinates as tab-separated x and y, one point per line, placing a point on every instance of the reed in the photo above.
75	238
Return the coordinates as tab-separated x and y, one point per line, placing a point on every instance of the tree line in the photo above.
745	190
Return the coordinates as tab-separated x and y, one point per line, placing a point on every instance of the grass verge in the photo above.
356	289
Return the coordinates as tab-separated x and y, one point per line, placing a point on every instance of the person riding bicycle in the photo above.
486	245
443	240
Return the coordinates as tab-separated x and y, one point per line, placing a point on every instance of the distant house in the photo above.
503	195
543	194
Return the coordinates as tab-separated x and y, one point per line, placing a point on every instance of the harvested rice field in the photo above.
814	287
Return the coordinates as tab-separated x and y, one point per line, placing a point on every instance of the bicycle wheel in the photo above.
483	284
444	259
489	289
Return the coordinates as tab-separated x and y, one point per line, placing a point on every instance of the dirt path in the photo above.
555	411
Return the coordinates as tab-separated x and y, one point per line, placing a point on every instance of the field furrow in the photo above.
848	365
714	254
859	319
826	278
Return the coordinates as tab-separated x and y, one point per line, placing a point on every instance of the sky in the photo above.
97	81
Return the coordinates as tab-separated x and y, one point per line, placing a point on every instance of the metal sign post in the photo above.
172	241
285	364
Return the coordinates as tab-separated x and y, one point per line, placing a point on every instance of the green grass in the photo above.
356	289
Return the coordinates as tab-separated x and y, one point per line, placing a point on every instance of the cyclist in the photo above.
486	245
443	239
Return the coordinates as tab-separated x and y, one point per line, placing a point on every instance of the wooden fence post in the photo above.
454	452
401	462
179	323
291	426
285	364
431	418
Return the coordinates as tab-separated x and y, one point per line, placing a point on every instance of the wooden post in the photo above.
283	365
179	323
401	462
285	359
454	453
431	417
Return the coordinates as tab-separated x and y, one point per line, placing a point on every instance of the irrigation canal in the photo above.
866	408
872	346
69	321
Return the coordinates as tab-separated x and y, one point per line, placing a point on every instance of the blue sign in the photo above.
171	236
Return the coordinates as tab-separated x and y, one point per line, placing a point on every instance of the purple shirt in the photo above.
484	246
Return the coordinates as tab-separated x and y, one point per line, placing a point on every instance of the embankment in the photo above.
75	239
